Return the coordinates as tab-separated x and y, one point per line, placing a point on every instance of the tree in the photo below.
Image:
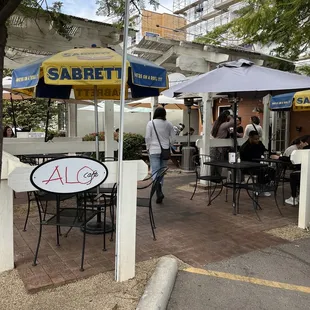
117	7
305	70
30	113
281	23
29	8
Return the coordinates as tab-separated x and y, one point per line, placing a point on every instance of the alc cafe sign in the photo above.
69	175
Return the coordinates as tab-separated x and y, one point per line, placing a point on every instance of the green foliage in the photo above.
117	8
34	9
92	136
280	22
7	72
133	144
305	70
30	113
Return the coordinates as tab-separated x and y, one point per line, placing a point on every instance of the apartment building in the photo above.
153	24
203	16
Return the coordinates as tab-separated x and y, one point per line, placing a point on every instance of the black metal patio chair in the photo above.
212	177
152	182
266	180
59	216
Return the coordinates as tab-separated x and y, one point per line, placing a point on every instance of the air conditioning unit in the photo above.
151	34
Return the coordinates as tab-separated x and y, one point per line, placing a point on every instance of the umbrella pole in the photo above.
47	119
13	116
96	122
235	107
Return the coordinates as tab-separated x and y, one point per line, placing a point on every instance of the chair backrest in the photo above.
154	179
200	168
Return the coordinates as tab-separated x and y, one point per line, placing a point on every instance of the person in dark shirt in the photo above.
253	148
239	127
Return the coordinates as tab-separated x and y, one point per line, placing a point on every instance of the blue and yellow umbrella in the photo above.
83	68
300	101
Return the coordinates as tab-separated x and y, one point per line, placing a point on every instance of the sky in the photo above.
87	9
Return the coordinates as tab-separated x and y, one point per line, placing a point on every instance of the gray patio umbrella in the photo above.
242	79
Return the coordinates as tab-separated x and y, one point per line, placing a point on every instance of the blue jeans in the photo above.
157	163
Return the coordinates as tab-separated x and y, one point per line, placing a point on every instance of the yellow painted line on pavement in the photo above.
235	277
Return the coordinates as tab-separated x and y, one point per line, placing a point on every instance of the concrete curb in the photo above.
159	288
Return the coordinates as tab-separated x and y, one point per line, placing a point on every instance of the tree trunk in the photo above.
3	37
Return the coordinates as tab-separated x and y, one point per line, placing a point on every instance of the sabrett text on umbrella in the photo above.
86	73
303	100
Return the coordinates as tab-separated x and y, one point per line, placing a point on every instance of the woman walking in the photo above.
159	133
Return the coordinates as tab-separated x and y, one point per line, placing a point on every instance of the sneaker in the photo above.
292	201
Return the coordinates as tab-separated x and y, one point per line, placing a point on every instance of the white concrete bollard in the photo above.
6	227
303	157
9	163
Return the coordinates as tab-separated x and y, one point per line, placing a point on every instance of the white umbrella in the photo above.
167	102
7	92
101	108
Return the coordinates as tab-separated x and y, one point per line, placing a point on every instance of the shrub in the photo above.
133	144
92	136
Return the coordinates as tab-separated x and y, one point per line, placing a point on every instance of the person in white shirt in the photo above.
165	134
254	126
297	144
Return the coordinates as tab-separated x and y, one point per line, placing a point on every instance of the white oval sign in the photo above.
70	174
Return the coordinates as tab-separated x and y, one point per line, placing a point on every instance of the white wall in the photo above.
134	122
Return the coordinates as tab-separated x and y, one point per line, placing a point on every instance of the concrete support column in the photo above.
6	227
266	120
72	120
109	128
287	128
303	157
154	105
274	126
204	143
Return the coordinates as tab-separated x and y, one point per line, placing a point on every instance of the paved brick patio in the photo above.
194	232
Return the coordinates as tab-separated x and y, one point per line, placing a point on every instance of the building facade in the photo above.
203	16
153	24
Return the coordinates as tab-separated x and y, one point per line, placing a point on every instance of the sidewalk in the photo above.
276	278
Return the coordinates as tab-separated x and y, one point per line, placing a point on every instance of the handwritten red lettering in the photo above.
66	178
84	175
52	175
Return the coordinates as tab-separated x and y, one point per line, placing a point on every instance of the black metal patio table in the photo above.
245	165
